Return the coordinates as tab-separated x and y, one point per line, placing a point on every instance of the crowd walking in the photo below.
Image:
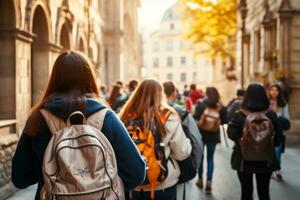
141	142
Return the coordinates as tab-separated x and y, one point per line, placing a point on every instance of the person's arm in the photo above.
223	114
180	145
286	113
235	127
199	110
24	172
278	131
131	167
194	130
188	104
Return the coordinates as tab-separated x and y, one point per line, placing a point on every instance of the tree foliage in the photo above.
211	27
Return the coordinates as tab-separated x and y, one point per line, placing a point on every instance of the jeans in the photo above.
263	185
278	152
166	194
210	152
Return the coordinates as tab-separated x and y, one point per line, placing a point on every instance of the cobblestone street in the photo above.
226	185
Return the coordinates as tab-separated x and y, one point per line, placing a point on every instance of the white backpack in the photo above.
79	162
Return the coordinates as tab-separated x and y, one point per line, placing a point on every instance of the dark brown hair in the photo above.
256	99
169	88
212	97
132	85
280	98
72	74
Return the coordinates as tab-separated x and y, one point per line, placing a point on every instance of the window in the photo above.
183	60
155	46
170	76
194	77
155	62
171	26
169	45
156	76
183	77
182	45
169	61
257	50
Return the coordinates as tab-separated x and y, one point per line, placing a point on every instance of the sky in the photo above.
151	13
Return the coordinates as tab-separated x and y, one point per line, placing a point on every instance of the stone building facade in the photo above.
166	55
269	47
34	32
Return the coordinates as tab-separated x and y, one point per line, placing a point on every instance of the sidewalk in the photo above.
226	185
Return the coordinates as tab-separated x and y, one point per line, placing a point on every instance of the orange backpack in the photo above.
151	147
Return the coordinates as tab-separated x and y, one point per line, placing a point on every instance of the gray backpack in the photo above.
79	162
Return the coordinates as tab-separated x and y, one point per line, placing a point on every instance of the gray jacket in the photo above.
190	122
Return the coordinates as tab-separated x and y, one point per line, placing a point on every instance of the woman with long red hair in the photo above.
152	122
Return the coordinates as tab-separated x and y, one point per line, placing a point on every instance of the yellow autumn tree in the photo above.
211	27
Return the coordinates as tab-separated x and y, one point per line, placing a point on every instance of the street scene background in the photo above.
226	44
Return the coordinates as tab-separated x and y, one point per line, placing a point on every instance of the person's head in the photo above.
114	94
103	89
72	74
212	97
275	93
185	87
120	84
240	93
256	98
170	90
147	101
193	87
132	85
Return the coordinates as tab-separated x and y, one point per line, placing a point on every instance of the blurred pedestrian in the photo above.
103	92
186	92
255	129
280	106
210	114
114	96
235	104
124	98
192	99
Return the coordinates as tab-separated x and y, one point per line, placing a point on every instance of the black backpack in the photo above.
188	167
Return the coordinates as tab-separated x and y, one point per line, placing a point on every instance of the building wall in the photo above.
167	43
271	47
122	41
33	33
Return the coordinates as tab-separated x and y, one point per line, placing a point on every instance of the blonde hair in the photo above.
147	101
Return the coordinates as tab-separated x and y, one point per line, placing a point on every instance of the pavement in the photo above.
225	182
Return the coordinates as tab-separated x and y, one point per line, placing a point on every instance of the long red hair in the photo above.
147	101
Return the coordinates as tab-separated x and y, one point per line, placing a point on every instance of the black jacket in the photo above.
206	135
235	132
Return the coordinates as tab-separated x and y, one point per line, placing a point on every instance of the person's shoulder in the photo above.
271	114
34	123
179	108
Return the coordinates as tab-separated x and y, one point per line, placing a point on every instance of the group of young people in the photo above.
76	147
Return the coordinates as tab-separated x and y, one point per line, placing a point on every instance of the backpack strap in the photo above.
97	119
165	114
54	123
245	112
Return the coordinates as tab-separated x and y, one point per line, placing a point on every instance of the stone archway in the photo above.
81	46
64	39
7	57
40	55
